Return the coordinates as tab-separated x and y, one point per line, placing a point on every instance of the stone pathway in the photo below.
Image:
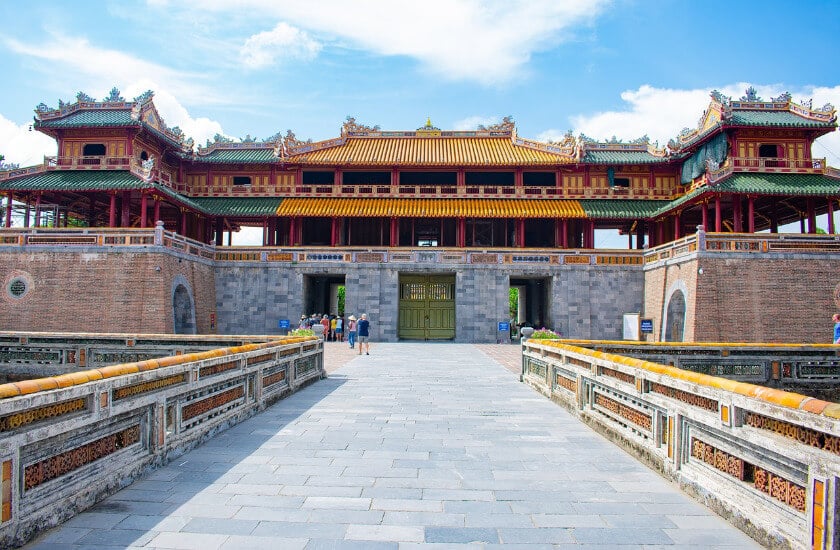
432	445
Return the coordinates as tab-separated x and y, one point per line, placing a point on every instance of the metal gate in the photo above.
427	307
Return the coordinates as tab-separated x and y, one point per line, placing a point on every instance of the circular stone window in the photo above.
18	286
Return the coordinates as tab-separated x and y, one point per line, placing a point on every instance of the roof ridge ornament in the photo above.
351	127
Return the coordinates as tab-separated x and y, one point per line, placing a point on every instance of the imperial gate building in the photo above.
129	228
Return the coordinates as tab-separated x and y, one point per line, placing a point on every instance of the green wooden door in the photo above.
427	307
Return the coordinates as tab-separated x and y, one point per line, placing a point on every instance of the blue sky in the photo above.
604	68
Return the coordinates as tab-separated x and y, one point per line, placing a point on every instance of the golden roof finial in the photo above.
428	122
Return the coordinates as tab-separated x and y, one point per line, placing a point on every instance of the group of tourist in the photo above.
334	328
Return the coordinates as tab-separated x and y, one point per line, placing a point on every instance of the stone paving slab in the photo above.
413	446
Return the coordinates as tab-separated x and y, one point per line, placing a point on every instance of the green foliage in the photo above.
341	295
302	332
513	302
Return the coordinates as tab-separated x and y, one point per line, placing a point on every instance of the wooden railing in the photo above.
68	441
768	460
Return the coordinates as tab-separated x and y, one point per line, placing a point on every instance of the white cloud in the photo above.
485	41
471	123
99	68
661	114
21	146
281	42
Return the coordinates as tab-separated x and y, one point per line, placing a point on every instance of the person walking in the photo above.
339	329
351	331
836	319
364	334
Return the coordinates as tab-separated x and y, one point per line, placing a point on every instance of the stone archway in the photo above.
183	307
674	325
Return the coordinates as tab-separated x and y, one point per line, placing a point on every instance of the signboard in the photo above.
631	326
284	323
504	326
646	326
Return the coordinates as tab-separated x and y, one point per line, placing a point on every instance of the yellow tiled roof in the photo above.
437	208
429	151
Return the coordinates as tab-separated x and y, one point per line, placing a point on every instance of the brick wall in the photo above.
91	291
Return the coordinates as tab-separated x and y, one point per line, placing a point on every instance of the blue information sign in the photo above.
504	326
284	323
646	326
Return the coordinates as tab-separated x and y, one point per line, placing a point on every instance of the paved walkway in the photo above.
433	445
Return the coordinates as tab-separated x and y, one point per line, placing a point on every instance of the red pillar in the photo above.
9	209
677	232
705	214
718	218
125	214
812	216
143	199
333	226
112	214
558	233
660	232
737	217
830	217
157	209
293	231
751	214
184	222
461	233
520	232
38	210
565	230
395	231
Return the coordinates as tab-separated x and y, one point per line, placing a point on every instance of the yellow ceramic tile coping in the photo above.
432	208
25	387
782	398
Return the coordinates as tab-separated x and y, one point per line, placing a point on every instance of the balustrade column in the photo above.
9	209
718	216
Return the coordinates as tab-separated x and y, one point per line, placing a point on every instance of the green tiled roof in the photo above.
780	184
620	209
621	157
263	155
238	206
76	180
88	117
181	199
775	118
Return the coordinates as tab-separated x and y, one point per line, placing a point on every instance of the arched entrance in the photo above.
675	319
183	309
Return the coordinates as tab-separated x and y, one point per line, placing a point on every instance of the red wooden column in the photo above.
718	217
184	222
558	233
112	212
677	228
220	231
333	228
143	208
830	217
640	235
660	232
520	232
9	209
705	215
157	209
293	223
565	234
125	209
461	234
737	217
590	233
518	182
751	214
38	210
812	216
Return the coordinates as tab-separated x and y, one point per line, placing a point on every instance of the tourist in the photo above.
364	334
304	322
351	331
836	319
325	321
332	328
339	329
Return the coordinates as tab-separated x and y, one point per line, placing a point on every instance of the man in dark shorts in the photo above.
364	334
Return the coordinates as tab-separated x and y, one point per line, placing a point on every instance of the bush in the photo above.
545	334
302	332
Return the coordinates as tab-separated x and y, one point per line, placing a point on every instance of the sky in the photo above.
253	68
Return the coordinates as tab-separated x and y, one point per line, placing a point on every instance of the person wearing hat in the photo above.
304	322
351	331
364	334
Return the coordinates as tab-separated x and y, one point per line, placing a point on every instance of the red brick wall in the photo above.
750	298
101	292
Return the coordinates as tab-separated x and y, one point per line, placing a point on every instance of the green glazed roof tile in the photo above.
76	180
621	157
775	118
780	184
261	155
238	206
620	209
87	118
